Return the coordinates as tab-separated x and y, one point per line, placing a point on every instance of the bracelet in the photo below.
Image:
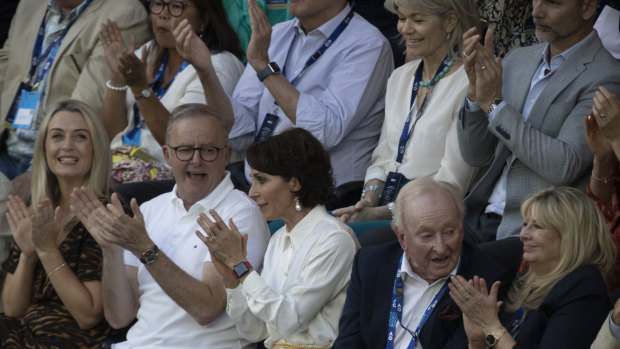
373	187
109	85
390	207
55	270
603	180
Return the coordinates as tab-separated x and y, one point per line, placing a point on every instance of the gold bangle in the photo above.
603	180
55	270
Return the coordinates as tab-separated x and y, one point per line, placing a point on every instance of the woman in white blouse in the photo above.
296	301
422	102
147	84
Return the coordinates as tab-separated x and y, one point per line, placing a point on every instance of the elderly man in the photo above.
326	71
523	118
397	294
170	283
53	53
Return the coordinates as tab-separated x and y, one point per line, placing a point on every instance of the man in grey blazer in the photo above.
522	121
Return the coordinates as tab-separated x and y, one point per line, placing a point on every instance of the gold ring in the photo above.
465	55
128	71
603	115
483	67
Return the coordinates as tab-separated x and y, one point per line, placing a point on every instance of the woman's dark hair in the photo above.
218	34
296	153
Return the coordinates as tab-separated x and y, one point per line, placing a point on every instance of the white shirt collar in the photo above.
217	195
406	271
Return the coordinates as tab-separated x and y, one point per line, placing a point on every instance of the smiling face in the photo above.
273	195
562	23
68	146
433	234
541	246
163	23
425	34
196	178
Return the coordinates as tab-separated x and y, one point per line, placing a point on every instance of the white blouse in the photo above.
299	296
433	149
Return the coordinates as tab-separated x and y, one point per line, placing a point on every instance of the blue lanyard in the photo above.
52	48
316	55
517	321
157	88
407	130
396	311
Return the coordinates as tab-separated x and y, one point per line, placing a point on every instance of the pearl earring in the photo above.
297	204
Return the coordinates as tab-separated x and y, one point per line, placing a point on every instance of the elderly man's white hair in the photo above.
421	186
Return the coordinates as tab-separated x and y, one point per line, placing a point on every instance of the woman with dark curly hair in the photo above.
297	299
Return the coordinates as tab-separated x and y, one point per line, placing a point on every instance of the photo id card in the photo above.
27	109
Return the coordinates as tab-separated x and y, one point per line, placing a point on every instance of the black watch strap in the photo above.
271	68
150	256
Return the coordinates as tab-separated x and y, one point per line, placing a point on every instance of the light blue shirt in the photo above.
341	98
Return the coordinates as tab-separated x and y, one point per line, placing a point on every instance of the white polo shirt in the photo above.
162	323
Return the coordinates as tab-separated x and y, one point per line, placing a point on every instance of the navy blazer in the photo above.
364	321
571	314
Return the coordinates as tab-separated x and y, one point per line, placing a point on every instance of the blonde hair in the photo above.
585	239
466	12
44	183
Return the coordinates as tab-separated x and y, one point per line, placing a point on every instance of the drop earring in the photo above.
448	36
297	204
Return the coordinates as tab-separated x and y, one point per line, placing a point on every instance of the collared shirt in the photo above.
615	329
433	149
162	323
341	98
417	296
299	296
497	199
20	143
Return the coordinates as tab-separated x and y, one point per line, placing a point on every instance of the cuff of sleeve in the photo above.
497	110
471	106
615	329
235	302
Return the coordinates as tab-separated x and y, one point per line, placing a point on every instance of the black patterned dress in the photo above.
47	323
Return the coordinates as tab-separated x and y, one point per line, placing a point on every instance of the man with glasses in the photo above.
170	283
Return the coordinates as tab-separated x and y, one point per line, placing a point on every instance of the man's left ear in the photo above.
588	9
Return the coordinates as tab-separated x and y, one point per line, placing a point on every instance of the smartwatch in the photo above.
241	269
146	93
150	256
271	68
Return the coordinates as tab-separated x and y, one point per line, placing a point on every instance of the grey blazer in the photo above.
549	148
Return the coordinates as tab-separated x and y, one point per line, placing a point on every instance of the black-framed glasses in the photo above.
175	8
207	153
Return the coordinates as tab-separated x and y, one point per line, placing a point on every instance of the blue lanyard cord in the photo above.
316	55
407	130
157	87
52	48
396	311
517	321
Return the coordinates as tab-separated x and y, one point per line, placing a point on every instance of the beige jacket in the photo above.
79	70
